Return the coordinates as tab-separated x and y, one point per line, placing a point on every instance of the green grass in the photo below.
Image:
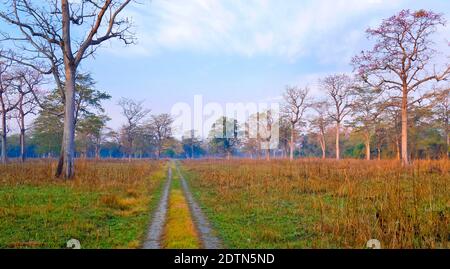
106	214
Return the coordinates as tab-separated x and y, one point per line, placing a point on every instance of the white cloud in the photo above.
328	29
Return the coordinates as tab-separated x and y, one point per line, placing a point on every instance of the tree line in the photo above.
395	103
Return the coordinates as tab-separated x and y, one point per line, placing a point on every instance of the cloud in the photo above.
289	29
329	31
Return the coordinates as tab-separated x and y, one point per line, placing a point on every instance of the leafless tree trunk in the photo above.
320	122
323	146
338	88
9	92
294	108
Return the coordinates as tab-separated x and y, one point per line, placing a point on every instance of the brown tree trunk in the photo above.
4	157
268	154
338	153
60	166
405	156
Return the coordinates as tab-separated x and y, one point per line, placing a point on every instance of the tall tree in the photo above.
62	34
87	102
366	109
161	129
339	90
294	108
320	122
285	134
89	132
29	98
252	139
134	112
46	133
442	110
401	58
267	123
224	136
9	98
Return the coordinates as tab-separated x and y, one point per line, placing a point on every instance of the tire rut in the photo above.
156	229
208	238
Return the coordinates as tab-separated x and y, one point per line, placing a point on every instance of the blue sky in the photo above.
238	51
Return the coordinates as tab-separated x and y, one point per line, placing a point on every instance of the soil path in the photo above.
155	231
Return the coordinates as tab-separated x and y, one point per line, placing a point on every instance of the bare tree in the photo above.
8	101
339	90
161	130
320	122
29	98
59	35
400	58
294	108
134	112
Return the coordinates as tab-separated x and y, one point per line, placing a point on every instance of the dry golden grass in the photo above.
325	204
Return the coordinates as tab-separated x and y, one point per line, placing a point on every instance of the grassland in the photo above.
324	204
107	205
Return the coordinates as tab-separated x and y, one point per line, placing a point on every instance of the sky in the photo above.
238	51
